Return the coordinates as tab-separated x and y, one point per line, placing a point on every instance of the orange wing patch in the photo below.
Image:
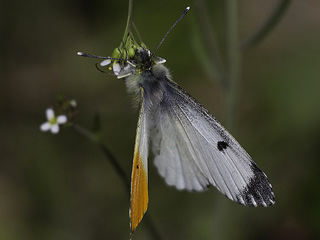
139	191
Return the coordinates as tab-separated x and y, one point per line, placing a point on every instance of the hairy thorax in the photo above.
151	82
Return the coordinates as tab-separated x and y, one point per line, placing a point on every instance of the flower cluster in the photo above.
66	110
53	122
126	51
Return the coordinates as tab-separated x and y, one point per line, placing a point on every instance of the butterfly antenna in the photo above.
82	54
176	22
90	55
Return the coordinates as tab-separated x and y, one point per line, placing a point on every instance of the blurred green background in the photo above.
62	187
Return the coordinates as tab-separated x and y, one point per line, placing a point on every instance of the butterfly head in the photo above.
144	59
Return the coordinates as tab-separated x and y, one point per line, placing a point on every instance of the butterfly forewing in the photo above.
192	151
139	177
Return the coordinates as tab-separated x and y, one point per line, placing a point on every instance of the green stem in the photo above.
208	37
106	152
232	75
137	32
266	28
129	22
233	58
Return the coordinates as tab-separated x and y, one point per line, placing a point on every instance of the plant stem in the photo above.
232	78
233	58
129	22
107	154
208	37
266	28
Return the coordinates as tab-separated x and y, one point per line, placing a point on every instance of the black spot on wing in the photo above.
222	145
259	191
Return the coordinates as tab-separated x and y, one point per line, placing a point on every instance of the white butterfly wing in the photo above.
192	151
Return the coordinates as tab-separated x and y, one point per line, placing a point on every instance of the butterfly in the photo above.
191	149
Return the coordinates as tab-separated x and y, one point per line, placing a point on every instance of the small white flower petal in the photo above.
105	62
45	126
49	113
62	119
116	68
73	103
55	128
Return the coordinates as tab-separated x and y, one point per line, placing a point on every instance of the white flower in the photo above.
116	68
53	122
73	103
105	62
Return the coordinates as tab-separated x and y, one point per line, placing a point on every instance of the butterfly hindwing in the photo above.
192	151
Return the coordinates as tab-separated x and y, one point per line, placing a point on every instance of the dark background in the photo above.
62	187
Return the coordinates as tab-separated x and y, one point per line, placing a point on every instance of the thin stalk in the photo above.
216	68
232	77
137	32
233	58
107	154
267	26
129	22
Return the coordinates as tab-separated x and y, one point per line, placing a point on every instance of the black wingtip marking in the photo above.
259	191
222	145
